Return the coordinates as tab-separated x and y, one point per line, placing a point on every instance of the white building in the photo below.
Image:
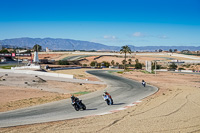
47	49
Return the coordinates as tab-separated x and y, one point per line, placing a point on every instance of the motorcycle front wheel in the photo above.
76	107
108	102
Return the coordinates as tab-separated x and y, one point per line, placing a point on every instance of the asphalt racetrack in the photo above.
122	90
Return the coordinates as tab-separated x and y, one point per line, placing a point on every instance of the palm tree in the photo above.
130	61
37	47
125	49
113	62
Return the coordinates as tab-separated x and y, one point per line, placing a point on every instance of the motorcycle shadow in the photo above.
118	103
91	109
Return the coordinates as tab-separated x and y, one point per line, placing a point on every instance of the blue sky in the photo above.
110	22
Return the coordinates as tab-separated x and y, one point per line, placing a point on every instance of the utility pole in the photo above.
18	57
155	68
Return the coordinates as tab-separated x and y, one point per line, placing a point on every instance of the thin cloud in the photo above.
110	37
138	34
163	37
105	39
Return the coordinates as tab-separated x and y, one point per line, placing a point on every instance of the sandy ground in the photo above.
173	109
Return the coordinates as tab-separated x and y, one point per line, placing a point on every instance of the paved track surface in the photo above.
123	91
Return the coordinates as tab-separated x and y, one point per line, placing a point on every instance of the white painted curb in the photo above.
117	110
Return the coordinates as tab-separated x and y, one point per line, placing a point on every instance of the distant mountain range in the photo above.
69	44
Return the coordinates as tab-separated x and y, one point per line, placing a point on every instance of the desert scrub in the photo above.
146	72
114	71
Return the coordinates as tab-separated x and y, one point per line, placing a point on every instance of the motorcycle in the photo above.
78	105
108	100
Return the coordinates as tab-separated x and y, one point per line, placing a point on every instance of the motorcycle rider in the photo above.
106	93
74	99
143	83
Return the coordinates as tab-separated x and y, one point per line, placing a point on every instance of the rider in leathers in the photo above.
106	93
74	99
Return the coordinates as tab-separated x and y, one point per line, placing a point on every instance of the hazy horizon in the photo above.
101	43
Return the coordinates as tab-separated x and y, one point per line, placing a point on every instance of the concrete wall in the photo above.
25	67
38	73
183	71
187	61
65	68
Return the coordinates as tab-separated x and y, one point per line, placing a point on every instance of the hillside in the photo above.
69	44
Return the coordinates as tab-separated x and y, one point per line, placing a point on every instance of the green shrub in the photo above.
63	62
188	65
93	63
181	68
105	63
138	66
173	66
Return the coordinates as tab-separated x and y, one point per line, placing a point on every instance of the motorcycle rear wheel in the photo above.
108	102
83	106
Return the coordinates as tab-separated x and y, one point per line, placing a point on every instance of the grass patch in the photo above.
120	72
81	93
146	72
128	70
113	71
7	67
81	75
